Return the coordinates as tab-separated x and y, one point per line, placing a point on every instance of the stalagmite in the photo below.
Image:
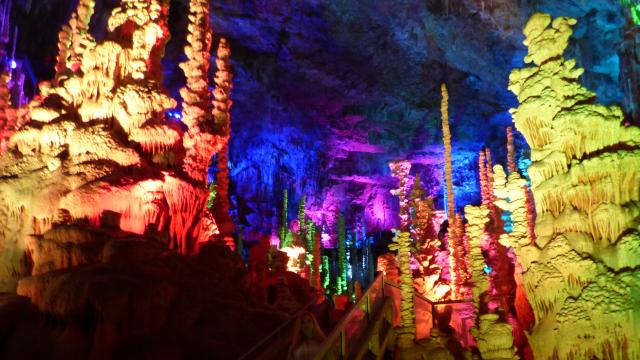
341	279
511	161
424	234
446	138
222	128
585	182
407	330
477	218
400	170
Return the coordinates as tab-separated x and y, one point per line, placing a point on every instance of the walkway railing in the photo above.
352	333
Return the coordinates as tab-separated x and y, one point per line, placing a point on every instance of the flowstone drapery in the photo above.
582	275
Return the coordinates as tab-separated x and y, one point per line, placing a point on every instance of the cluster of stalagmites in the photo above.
98	141
581	275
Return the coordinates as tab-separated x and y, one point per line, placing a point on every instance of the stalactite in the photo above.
407	330
511	161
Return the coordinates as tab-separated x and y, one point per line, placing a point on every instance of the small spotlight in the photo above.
13	64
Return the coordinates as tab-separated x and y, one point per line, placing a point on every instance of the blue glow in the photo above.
508	223
487	269
13	64
174	114
523	165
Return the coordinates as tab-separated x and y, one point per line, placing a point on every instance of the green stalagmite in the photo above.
582	274
285	240
342	257
302	221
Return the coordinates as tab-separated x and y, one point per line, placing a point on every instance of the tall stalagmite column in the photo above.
511	158
477	218
446	138
407	331
582	274
456	260
222	120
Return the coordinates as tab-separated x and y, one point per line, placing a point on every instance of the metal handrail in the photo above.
339	330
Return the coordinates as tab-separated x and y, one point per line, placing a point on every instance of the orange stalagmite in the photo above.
458	258
484	186
511	159
199	141
222	128
203	138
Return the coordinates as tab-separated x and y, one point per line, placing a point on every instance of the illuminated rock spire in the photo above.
222	128
581	274
74	39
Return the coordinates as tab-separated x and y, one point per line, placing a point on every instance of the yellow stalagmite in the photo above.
446	138
477	218
582	274
407	331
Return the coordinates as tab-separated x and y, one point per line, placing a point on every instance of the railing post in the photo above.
343	344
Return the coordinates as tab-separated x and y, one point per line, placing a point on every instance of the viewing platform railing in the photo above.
367	325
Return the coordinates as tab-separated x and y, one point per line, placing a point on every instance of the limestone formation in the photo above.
477	218
427	281
400	170
98	141
582	273
407	330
